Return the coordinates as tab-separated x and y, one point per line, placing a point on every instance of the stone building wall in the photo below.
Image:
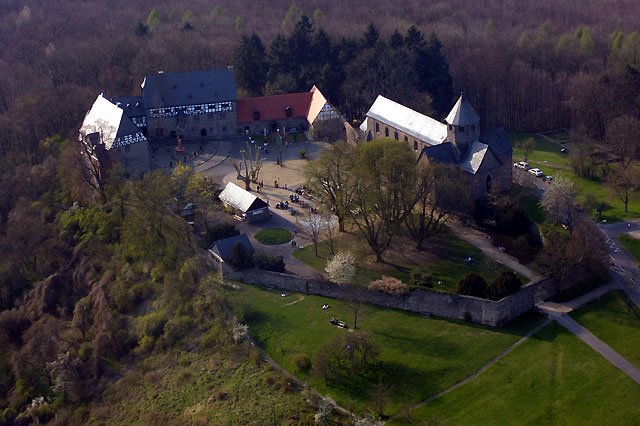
423	301
134	158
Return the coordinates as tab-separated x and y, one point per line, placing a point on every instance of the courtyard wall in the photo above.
422	301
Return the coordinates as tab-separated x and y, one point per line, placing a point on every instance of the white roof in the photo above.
110	121
237	197
474	158
407	120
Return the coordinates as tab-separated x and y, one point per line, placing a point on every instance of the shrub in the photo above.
221	231
472	285
389	285
268	262
505	284
421	279
302	362
241	257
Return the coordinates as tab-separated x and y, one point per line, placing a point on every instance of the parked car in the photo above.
521	165
548	179
536	172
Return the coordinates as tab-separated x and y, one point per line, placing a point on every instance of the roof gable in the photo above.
479	158
408	121
240	199
462	113
442	153
188	88
224	247
497	139
274	107
111	123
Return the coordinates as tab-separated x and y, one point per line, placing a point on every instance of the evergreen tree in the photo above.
251	64
371	36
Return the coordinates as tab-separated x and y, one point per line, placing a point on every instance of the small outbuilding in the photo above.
224	248
244	204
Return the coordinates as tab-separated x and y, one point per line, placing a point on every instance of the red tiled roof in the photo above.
273	107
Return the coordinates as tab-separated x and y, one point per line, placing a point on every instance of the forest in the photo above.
88	286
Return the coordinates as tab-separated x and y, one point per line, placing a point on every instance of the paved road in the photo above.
624	268
479	240
590	339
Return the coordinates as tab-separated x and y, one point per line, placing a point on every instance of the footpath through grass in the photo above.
420	356
552	379
443	259
632	245
616	321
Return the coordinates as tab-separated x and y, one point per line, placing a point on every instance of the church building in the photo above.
485	156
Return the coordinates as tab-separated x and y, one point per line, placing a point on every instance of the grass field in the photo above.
616	321
273	236
419	356
631	244
199	387
552	379
546	155
444	260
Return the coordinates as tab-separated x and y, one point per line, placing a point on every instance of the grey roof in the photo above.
240	199
474	158
111	124
224	246
188	88
411	122
497	139
133	106
462	113
442	153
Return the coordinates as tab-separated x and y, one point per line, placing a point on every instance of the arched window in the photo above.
395	135
488	183
386	132
377	128
415	145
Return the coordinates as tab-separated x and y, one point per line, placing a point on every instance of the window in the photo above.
377	128
395	135
415	145
461	129
386	132
406	139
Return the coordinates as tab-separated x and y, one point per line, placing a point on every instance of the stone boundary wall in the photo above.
422	301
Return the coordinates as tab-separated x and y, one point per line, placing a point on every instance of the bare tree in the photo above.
622	137
527	146
312	227
623	182
249	165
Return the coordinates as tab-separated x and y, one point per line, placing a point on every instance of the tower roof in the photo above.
462	113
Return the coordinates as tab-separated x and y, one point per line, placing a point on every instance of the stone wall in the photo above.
423	301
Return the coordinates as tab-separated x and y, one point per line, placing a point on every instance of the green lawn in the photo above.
551	379
546	155
420	356
445	262
631	244
273	236
616	321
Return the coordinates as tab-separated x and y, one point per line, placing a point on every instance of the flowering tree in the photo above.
341	269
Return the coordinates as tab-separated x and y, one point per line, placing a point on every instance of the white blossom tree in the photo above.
341	269
560	202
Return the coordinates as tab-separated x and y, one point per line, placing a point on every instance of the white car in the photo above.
521	165
536	172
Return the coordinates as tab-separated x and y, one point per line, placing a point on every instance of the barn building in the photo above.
244	204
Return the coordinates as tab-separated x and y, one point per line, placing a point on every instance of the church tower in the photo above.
463	125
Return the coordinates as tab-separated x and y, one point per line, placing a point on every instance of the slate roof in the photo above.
272	108
443	153
133	106
474	158
240	199
188	88
113	125
497	139
462	113
224	246
407	120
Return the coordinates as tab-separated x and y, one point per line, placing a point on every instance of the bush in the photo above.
221	231
389	285
268	262
241	257
302	362
505	284
472	285
421	279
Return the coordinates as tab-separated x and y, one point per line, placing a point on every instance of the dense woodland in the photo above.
89	286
